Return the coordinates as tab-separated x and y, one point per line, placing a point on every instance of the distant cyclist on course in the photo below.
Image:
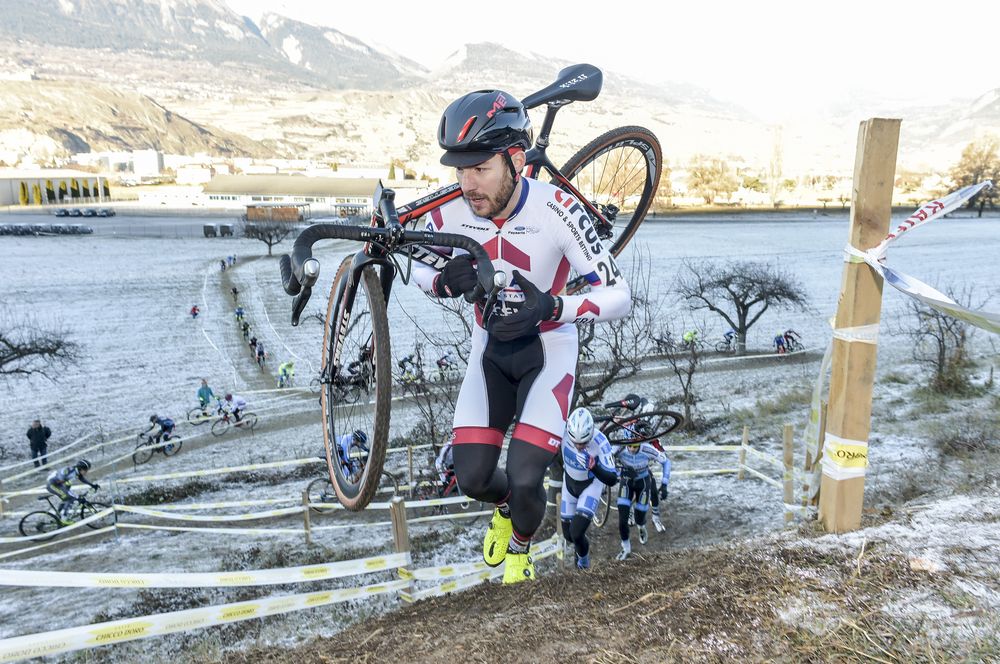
522	365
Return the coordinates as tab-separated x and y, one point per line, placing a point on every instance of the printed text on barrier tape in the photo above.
90	636
265	577
843	458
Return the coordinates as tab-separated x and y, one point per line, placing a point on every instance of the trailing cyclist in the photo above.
411	372
445	463
236	293
59	483
352	450
195	311
239	314
260	354
286	371
634	489
690	339
166	428
245	326
522	364
792	340
445	363
779	343
588	465
235	405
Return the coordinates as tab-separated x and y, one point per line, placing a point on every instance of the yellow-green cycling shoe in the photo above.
496	540
519	568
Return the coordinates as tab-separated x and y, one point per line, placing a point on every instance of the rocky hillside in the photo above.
60	118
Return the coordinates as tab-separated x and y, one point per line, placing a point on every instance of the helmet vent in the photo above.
466	127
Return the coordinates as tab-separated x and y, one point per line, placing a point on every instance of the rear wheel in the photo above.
198	416
173	446
628	429
619	172
248	421
357	330
321	492
39	525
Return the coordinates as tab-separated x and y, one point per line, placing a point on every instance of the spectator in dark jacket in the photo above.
39	437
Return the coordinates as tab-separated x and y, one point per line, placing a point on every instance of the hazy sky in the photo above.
775	58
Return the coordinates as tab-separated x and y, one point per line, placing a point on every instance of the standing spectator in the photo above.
39	437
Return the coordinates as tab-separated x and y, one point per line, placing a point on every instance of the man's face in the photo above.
487	186
36	424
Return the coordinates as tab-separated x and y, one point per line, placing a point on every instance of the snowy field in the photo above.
125	301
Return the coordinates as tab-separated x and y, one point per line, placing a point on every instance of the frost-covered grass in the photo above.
126	301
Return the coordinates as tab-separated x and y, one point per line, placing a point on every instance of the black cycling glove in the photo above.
537	307
663	492
457	278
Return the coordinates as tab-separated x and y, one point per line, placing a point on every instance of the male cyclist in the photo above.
729	336
261	355
205	395
408	367
240	313
60	481
792	338
245	326
352	450
522	362
445	463
285	373
195	311
634	460
236	405
779	343
690	338
166	427
588	465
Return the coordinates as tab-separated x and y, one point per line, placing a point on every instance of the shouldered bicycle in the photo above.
614	177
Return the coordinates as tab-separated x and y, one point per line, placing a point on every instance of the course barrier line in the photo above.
762	476
549	547
18	464
59	542
774	461
348	526
55	462
216	531
442	571
65	529
118	631
264	577
701	448
220	505
447	517
170	516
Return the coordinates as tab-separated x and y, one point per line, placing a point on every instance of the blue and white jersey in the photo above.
576	463
635	465
64	476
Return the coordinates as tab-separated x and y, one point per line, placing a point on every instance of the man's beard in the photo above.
499	202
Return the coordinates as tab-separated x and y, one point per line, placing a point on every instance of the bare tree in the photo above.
618	349
740	292
940	342
26	348
684	362
270	233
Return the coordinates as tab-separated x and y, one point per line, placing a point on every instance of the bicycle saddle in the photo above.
574	83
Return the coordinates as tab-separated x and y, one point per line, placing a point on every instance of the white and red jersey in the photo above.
548	233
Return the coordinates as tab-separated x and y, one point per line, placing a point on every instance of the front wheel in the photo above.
89	509
40	526
642	428
619	172
248	421
220	426
722	347
356	331
142	453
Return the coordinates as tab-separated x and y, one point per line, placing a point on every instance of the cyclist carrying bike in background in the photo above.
352	448
792	339
240	313
286	371
59	483
205	395
634	460
445	463
253	345
236	293
235	405
245	326
588	465
195	311
523	362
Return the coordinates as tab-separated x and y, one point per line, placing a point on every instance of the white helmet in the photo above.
580	427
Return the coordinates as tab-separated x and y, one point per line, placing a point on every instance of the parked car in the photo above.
105	212
75	212
89	212
61	212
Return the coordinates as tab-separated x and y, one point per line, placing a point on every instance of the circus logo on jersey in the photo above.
588	307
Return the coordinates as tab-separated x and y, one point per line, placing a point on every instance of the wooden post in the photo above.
820	437
400	532
853	373
305	516
743	450
787	440
1	500
409	464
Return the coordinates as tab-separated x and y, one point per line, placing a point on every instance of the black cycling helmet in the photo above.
152	418
83	465
481	124
361	438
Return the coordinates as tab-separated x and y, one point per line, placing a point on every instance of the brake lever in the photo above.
499	283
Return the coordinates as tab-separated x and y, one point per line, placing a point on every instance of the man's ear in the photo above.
519	159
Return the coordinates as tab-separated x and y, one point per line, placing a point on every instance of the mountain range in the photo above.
176	71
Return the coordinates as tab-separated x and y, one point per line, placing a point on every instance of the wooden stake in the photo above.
1	499
409	464
787	440
853	371
819	446
400	532
743	451
305	516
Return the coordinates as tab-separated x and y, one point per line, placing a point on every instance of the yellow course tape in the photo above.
118	631
263	577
